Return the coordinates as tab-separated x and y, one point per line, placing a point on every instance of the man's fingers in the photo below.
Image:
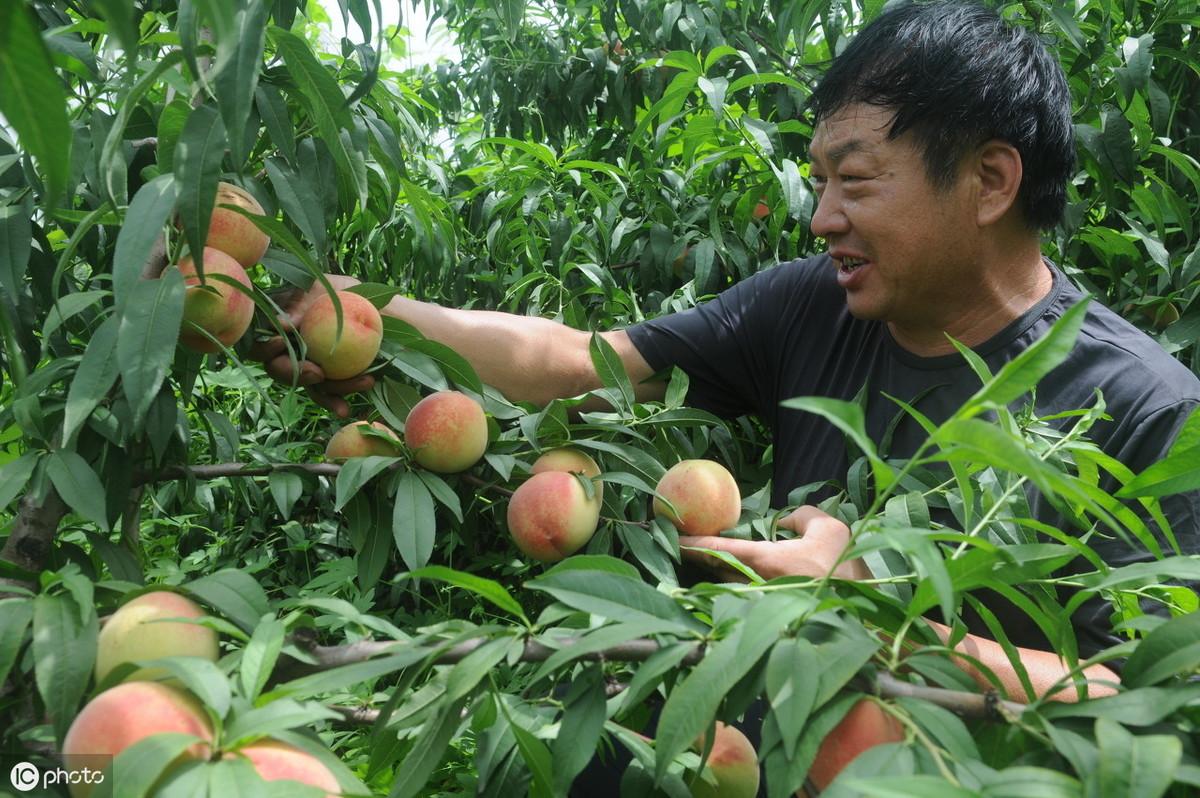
284	369
358	384
334	404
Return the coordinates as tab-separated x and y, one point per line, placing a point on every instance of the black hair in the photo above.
956	75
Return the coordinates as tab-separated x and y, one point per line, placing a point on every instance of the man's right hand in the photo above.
278	362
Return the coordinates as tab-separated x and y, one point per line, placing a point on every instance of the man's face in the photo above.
903	249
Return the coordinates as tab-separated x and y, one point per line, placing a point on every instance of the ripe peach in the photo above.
447	432
129	712
761	211
571	460
232	233
275	761
362	331
733	762
550	516
136	631
864	726
349	441
704	496
214	306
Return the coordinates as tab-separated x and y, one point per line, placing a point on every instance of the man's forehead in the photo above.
854	128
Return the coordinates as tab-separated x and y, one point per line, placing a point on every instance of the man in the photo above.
943	143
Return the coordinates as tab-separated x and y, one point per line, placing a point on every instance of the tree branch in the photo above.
28	547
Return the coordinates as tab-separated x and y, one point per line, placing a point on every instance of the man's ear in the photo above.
998	169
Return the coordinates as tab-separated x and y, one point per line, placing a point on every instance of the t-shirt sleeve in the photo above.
727	346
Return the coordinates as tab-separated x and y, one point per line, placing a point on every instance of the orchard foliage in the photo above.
596	163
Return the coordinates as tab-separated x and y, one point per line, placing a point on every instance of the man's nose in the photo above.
829	219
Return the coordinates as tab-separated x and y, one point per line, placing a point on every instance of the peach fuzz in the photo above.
138	631
733	762
232	233
341	357
349	441
275	761
126	714
573	461
447	432
704	495
550	516
214	306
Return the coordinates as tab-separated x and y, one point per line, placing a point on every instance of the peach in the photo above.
733	762
550	516
275	761
349	441
571	460
864	726
126	714
447	432
350	353
704	497
761	211
214	306
232	233
137	631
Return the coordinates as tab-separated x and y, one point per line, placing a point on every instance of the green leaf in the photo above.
324	682
1130	764
16	238
693	703
78	485
64	651
142	763
142	225
238	78
356	472
286	488
274	113
146	338
1019	375
198	158
119	15
1178	472
97	372
260	655
298	200
431	743
612	373
276	716
413	522
442	491
609	595
324	101
32	97
15	617
582	722
14	476
485	588
234	594
848	417
791	688
1172	648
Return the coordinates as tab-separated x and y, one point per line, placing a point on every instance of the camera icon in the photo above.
24	776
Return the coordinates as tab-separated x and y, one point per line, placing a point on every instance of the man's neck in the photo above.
1001	296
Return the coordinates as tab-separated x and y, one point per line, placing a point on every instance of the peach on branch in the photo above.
213	305
700	497
350	441
761	210
550	516
447	432
232	233
138	630
733	763
126	714
866	725
573	461
344	356
275	761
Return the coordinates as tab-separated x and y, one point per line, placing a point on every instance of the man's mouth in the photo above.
849	265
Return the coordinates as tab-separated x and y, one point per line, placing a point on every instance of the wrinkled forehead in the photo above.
855	128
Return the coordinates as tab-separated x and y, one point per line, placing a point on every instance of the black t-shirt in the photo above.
787	332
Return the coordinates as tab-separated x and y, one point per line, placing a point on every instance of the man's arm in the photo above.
818	551
528	359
